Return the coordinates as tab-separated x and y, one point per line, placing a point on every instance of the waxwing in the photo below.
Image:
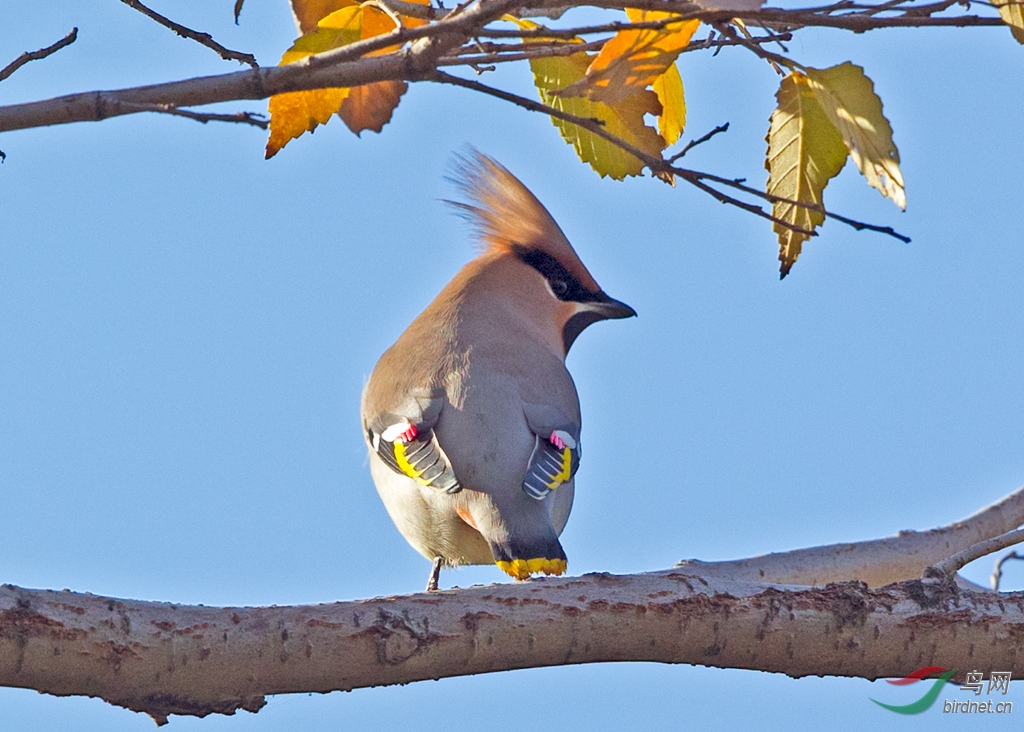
472	420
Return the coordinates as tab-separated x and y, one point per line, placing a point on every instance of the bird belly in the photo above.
428	519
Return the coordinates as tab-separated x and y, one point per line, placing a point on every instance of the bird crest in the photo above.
507	216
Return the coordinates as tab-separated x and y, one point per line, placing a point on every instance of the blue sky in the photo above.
185	329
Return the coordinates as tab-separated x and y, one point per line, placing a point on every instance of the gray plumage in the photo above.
480	378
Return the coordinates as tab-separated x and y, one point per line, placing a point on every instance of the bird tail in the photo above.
520	559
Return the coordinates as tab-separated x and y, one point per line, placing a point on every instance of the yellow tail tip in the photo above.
523	568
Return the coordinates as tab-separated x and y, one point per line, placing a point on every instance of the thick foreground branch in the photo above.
170	659
166	659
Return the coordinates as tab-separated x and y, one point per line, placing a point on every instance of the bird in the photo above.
471	418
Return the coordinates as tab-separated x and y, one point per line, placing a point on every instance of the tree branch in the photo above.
166	659
699	141
204	39
879	562
997	571
36	55
857	22
452	40
163	658
249	118
656	164
339	67
692	175
952	565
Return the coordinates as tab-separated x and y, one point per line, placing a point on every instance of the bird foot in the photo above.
435	574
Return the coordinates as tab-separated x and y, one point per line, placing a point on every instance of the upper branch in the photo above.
36	55
204	39
350	65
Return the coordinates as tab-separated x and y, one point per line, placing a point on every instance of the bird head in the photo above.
511	222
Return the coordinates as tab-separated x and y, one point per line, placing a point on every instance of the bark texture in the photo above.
166	659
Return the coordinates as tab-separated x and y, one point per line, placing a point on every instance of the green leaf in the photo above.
624	119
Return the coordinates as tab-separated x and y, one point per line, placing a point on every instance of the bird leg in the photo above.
435	574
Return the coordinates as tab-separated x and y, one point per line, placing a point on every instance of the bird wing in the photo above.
556	451
405	441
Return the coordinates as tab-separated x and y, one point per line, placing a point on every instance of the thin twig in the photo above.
788	19
698	180
36	55
771	198
699	141
997	572
563	49
719	43
589	123
883	7
951	565
586	30
204	39
656	164
776	60
615	27
506	53
255	119
414	10
479	46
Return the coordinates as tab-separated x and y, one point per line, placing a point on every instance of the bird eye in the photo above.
559	287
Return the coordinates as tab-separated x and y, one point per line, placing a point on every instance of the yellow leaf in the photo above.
633	59
369	107
294	113
848	98
669	88
805	151
409	21
625	120
309	12
1012	13
337	29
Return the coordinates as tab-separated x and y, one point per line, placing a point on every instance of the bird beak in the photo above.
608	307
